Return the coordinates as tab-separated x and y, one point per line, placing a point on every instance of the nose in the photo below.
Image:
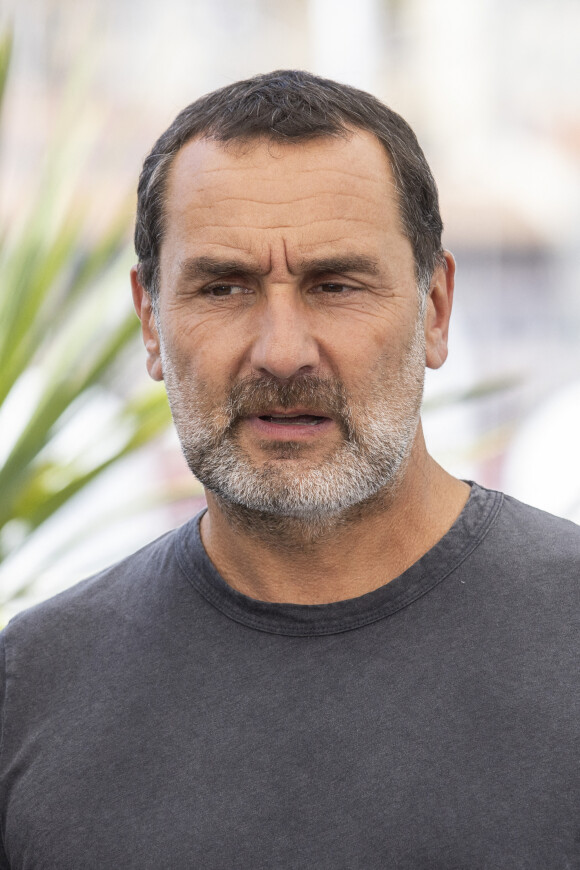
284	345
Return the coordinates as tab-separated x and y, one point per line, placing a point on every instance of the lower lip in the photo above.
289	431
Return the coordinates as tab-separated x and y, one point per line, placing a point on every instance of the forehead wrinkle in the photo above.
291	226
192	161
199	202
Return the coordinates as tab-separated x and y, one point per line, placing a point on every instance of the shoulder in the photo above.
127	587
532	553
543	532
61	646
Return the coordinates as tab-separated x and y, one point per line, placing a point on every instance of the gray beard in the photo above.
377	439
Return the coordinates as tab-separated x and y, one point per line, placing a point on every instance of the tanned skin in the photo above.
289	260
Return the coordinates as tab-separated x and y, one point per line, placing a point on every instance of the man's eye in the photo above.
333	287
225	290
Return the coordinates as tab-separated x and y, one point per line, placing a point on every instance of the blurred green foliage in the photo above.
63	337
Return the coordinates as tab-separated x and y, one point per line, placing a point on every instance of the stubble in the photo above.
291	492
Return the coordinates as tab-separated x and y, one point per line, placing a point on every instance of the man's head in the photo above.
280	306
292	106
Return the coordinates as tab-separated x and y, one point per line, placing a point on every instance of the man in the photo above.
352	659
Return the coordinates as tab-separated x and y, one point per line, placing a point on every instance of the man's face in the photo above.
288	329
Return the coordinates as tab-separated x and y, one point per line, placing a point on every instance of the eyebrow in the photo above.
204	267
341	264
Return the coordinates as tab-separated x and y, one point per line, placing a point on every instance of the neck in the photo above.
316	562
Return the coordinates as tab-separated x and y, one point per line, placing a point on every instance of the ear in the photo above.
144	309
438	312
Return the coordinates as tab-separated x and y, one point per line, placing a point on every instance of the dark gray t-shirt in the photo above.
155	718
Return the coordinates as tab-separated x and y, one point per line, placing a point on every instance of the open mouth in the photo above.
294	420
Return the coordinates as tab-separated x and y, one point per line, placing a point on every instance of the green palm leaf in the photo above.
63	339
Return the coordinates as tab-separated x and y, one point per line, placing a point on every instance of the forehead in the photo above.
307	194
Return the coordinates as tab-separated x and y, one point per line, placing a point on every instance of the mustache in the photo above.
257	396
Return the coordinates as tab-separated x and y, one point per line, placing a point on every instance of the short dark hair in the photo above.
287	106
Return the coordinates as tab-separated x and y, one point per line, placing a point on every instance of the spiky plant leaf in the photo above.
63	336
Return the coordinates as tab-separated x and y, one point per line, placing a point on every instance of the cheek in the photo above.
211	340
392	363
204	369
363	354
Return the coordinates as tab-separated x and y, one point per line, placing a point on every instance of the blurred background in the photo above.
90	470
